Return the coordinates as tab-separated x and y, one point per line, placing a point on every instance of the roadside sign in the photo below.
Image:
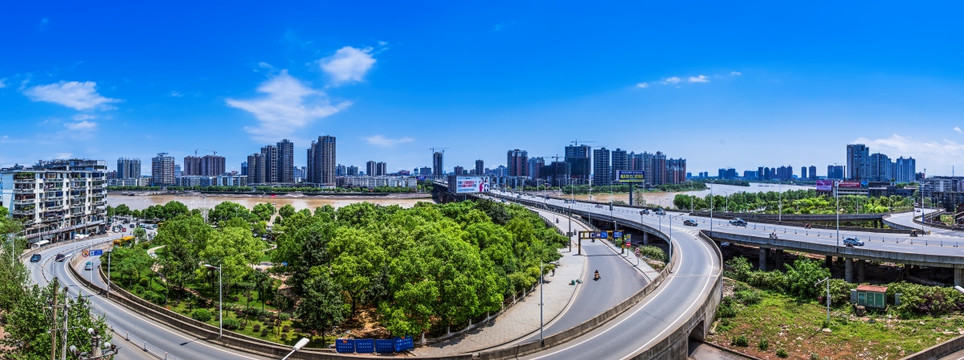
84	253
96	252
602	235
618	234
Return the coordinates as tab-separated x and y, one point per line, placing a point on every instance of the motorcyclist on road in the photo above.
597	275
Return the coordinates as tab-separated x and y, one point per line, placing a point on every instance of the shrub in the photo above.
257	327
154	297
145	282
740	341
724	325
814	357
763	344
782	353
748	297
264	332
738	268
652	252
202	315
726	309
231	323
284	316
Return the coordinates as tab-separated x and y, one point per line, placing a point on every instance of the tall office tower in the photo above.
813	172
517	161
620	161
162	170
858	162
580	163
479	167
803	172
244	168
192	166
286	161
128	168
601	170
536	166
437	171
212	165
321	161
904	169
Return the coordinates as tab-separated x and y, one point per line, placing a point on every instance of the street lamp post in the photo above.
922	202
836	195
301	343
711	207
220	300
108	273
780	191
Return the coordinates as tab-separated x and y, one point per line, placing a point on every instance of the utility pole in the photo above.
53	331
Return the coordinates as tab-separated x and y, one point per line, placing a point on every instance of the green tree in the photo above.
264	211
184	238
234	250
227	210
286	211
322	307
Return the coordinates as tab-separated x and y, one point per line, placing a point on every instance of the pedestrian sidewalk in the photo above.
522	318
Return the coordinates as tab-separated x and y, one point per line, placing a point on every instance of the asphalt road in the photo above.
667	308
160	339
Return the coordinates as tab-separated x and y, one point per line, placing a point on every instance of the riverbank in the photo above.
195	200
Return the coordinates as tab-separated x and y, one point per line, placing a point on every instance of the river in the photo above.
141	202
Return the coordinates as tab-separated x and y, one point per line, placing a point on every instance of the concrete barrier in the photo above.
938	351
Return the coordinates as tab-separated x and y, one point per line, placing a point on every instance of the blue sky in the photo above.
721	84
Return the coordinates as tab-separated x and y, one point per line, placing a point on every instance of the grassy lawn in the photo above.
795	326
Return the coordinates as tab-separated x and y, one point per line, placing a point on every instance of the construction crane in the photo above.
436	149
213	151
576	142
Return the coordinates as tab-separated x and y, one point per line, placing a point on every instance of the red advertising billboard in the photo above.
849	184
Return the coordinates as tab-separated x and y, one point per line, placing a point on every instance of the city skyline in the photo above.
780	89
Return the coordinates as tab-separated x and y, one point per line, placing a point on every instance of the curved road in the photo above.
160	338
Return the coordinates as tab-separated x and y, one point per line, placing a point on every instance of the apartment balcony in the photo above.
54	208
24	201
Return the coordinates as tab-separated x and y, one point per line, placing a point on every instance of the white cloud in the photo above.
379	140
81	126
698	79
672	80
938	156
642	85
286	107
176	94
958	129
82	117
736	73
3	83
63	155
348	64
72	94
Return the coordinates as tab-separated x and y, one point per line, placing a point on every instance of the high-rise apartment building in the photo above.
352	170
479	167
286	162
128	168
813	172
162	170
536	166
601	174
580	163
881	168
620	161
373	168
192	166
858	162
55	200
835	172
437	170
517	161
675	171
459	170
321	161
803	172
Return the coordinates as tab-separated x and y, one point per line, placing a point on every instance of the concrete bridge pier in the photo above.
763	258
778	253
848	270
645	238
829	262
860	271
958	276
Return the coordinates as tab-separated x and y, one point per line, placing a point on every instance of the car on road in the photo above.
89	265
35	258
644	211
851	242
690	222
660	212
738	222
60	258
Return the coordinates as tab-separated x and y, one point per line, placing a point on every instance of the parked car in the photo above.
738	222
89	265
690	222
35	258
851	242
60	257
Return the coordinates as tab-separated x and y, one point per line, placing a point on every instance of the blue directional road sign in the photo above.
96	252
602	235
618	234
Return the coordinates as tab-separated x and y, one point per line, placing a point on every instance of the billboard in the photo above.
824	185
849	184
630	176
468	184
